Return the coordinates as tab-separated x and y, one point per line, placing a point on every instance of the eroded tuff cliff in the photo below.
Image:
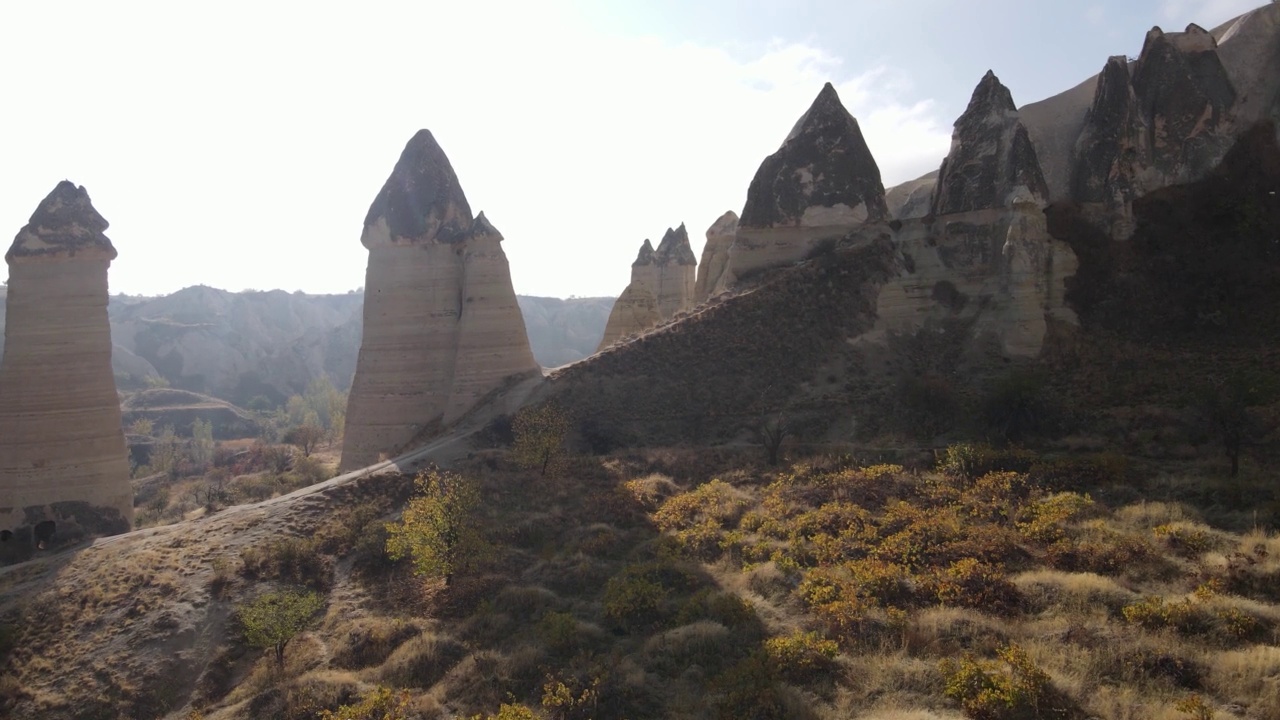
662	284
441	324
63	463
820	184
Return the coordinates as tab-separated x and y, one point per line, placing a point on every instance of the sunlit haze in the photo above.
239	144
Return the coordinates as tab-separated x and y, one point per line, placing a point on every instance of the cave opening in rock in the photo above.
5	535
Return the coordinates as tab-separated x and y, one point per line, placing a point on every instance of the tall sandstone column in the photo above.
662	284
62	451
441	325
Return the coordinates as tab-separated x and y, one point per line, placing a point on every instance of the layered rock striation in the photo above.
662	284
442	327
820	184
63	463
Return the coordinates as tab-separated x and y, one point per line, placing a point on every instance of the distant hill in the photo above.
239	346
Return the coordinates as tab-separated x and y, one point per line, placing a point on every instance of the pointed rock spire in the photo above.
646	254
62	450
823	163
64	223
421	201
991	156
715	256
675	248
1113	147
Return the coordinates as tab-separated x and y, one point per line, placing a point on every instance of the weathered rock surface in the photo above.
911	199
442	327
984	261
662	284
821	184
711	278
991	158
62	449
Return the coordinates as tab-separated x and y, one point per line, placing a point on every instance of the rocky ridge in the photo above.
442	327
63	463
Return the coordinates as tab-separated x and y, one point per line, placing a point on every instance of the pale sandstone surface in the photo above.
711	277
442	327
911	199
62	449
662	284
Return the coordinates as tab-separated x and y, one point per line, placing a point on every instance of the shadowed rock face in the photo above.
662	284
984	261
991	155
62	449
820	185
823	165
715	257
1166	118
441	324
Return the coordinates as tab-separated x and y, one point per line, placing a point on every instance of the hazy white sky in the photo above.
239	144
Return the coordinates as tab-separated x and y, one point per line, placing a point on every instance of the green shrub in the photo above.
1016	407
973	460
632	600
1013	689
380	703
802	657
273	619
558	631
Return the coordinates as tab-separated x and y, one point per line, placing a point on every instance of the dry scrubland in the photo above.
691	584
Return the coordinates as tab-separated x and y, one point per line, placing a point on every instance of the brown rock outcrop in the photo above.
662	284
441	324
63	463
821	184
715	257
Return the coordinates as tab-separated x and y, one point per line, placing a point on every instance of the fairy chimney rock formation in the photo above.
715	257
984	255
63	463
822	183
441	325
991	156
662	284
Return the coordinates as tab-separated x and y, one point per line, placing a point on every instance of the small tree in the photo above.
305	437
141	426
201	442
771	433
440	528
540	433
274	619
1226	405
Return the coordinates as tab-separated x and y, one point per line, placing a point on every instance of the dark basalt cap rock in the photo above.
422	200
675	248
646	254
1113	145
991	155
481	227
823	162
64	223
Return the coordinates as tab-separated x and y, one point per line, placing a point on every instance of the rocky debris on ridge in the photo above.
991	155
442	327
64	469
